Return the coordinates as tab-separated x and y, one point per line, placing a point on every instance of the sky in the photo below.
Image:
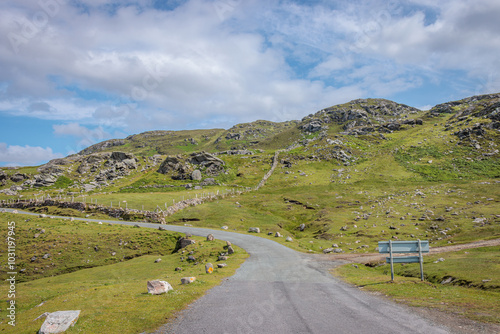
77	72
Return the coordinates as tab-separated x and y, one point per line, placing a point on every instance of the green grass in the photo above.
112	295
473	293
74	245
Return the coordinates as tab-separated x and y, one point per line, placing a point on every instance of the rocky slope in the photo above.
196	155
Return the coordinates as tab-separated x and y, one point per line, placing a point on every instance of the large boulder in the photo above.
3	177
58	322
158	287
170	164
313	126
205	159
44	180
18	177
196	175
184	242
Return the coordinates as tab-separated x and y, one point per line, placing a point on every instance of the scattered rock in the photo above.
209	268
158	287
277	235
158	260
222	258
178	269
289	239
58	322
210	237
221	265
184	242
196	175
254	230
224	227
327	250
447	280
302	227
188	280
230	250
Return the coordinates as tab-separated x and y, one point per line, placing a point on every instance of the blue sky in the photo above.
77	72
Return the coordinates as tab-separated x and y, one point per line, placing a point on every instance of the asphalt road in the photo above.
278	290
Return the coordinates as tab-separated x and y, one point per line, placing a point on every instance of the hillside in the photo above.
351	173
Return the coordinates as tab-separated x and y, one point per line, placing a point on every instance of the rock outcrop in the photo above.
193	167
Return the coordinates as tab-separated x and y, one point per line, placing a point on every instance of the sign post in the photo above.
417	246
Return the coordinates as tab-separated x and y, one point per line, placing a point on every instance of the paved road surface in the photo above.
278	290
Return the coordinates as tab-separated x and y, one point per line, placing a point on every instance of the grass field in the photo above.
102	270
466	283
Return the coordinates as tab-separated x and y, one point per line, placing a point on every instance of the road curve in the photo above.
279	290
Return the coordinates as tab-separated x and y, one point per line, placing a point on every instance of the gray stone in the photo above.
289	239
210	237
188	280
8	192
222	258
254	230
18	177
196	175
302	227
88	187
58	322
158	260
277	235
184	242
230	250
221	265
44	180
158	287
327	250
209	268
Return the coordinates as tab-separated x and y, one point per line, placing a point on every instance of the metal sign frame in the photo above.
413	246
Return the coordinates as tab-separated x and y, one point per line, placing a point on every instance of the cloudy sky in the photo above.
77	72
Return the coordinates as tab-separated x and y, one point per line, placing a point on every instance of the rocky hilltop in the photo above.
359	113
214	156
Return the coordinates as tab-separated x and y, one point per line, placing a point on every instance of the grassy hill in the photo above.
346	177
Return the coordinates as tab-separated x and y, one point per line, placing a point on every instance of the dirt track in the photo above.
375	257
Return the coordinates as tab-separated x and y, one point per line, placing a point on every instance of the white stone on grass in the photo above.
158	287
58	322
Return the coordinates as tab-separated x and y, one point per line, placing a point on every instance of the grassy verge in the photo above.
465	283
112	294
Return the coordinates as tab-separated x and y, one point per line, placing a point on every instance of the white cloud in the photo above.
85	135
14	155
140	68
